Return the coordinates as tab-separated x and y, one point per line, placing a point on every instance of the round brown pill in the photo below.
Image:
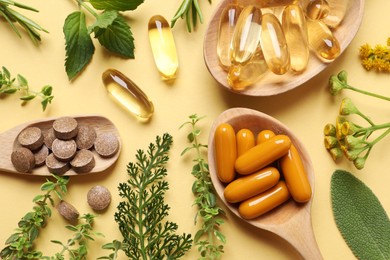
107	144
68	211
23	159
86	137
84	161
99	197
31	138
64	150
55	166
65	128
49	137
40	155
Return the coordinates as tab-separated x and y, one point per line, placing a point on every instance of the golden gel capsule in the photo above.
274	45
295	31
241	76
246	35
163	47
248	186
128	94
225	146
264	135
227	23
337	11
245	140
317	9
264	202
321	41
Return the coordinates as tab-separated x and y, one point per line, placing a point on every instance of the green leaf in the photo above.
103	20
9	91
22	80
47	90
79	46
28	97
360	217
117	38
118	5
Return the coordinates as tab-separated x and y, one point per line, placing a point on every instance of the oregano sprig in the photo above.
10	85
109	28
20	245
208	238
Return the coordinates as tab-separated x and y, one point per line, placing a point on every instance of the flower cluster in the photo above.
377	57
346	137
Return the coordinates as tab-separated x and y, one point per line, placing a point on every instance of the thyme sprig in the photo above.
10	85
12	17
20	245
141	217
189	9
76	246
208	238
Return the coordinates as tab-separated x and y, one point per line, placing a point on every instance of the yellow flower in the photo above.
365	51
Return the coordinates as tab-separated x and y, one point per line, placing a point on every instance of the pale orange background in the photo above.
305	110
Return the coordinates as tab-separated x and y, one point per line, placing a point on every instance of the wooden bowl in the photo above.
272	84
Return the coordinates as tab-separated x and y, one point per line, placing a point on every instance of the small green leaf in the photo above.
28	97
79	45
9	91
47	90
221	237
118	5
103	20
360	217
22	81
117	38
6	73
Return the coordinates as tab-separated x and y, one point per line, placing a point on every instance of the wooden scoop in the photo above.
291	221
8	141
272	84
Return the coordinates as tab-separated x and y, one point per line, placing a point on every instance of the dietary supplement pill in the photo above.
225	146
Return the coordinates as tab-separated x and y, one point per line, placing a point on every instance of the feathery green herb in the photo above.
109	27
10	85
146	235
20	245
77	247
12	17
208	238
190	11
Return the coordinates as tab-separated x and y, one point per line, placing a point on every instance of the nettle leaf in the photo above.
118	5
103	20
117	38
360	217
79	46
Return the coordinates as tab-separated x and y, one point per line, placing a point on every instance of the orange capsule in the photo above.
225	152
251	185
264	202
245	141
263	154
295	176
264	135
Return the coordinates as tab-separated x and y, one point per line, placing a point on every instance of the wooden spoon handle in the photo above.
6	146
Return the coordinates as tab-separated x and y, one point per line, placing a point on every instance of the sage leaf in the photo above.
79	46
360	217
117	38
117	5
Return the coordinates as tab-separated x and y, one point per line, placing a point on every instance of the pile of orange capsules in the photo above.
277	36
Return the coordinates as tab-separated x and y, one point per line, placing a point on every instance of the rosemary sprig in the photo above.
77	246
141	216
187	10
20	245
12	17
10	85
208	235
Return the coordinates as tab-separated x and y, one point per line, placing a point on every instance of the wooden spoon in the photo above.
291	221
272	84
8	141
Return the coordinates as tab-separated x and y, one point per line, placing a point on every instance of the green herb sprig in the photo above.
20	245
13	17
77	246
10	85
190	11
347	138
141	216
208	238
110	28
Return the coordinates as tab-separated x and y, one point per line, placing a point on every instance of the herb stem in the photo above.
89	9
365	92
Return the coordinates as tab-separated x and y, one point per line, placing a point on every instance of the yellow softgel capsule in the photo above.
127	94
246	35
317	9
227	24
295	31
337	12
163	47
274	45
